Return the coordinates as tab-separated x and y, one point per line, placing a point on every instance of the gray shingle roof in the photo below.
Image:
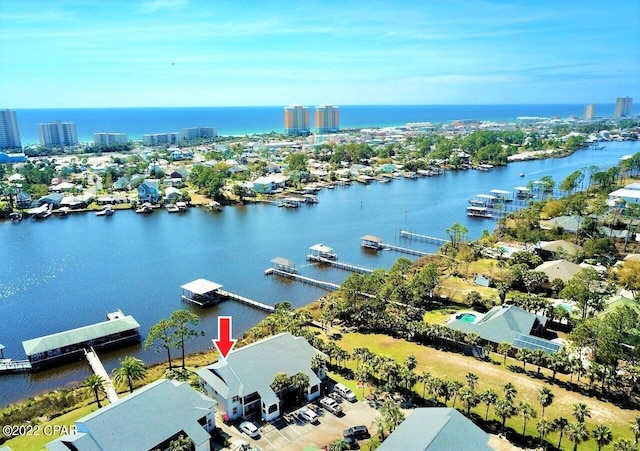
503	323
146	418
559	269
436	429
79	335
252	368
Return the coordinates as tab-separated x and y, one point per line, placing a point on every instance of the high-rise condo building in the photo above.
199	132
590	111
109	139
9	133
327	118
296	120
58	134
623	107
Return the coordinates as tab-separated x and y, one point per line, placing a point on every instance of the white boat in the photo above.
106	211
479	212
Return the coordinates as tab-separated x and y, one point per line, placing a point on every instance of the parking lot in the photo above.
290	432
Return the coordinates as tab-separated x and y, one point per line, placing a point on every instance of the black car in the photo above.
357	432
352	442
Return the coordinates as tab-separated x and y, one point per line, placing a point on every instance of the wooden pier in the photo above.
205	293
98	370
339	264
425	238
308	280
406	250
14	366
246	301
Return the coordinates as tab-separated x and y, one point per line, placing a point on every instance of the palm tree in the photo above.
95	383
504	349
623	445
130	369
360	354
453	388
280	383
300	382
527	411
469	398
545	396
182	443
577	432
510	391
602	435
560	424
581	411
504	409
488	397
362	375
472	380
635	429
524	355
410	362
424	378
318	362
392	415
543	426
381	426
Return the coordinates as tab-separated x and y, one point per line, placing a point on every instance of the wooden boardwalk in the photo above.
14	366
246	301
425	238
308	280
340	265
98	370
405	250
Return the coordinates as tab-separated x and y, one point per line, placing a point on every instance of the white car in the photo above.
331	405
250	429
308	415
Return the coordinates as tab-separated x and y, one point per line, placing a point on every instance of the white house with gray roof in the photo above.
241	383
150	418
436	429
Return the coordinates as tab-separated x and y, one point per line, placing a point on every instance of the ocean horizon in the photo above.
233	121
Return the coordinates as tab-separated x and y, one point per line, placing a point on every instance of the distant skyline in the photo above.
79	53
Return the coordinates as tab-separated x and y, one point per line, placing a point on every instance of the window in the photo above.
273	408
235	410
314	389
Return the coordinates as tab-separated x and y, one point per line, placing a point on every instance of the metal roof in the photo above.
321	248
372	238
201	286
79	335
283	262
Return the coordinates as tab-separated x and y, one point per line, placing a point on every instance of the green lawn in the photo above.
49	430
451	366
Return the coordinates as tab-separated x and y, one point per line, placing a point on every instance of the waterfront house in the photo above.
150	418
630	193
557	247
70	344
149	191
241	383
510	324
437	428
52	199
171	194
269	184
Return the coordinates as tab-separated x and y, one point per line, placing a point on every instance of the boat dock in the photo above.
308	280
406	250
339	264
205	293
374	242
98	370
14	366
425	238
247	301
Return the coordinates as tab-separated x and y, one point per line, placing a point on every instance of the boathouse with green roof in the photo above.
69	345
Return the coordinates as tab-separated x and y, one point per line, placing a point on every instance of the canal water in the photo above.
62	273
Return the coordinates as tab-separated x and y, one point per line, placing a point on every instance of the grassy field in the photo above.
49	431
452	366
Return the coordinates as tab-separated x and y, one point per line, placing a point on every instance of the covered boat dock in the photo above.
371	242
201	292
322	251
70	344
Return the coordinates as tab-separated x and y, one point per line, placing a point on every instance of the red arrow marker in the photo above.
224	343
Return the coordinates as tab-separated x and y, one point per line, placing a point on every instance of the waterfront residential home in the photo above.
242	383
559	269
150	418
437	428
269	184
171	195
149	191
551	249
508	324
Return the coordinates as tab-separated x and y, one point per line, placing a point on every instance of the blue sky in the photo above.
83	53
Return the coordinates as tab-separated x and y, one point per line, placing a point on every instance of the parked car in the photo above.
331	405
357	432
345	392
308	415
250	429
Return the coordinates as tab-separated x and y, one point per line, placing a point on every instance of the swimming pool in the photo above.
467	317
